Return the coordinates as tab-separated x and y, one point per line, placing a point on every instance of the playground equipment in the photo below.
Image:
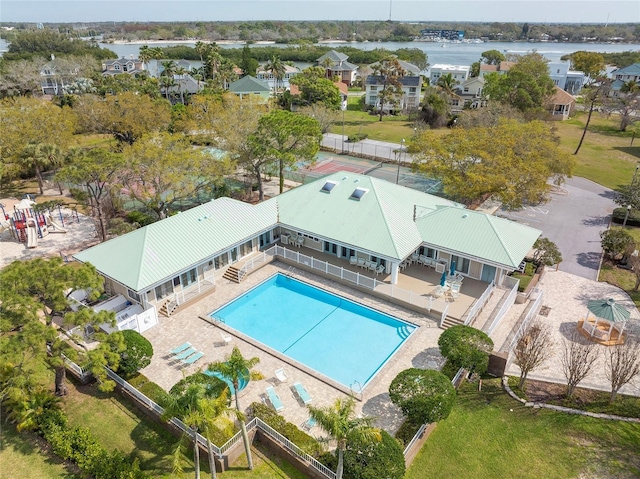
32	233
56	228
30	221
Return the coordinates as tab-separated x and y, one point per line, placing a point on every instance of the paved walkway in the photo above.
566	295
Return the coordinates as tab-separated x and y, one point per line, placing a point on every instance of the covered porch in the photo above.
417	285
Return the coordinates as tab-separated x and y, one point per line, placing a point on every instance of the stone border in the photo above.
567	410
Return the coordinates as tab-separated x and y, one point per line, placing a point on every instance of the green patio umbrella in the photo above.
607	310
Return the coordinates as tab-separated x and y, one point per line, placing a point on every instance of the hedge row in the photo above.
289	430
148	388
80	446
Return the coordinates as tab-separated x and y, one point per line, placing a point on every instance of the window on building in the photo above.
133	295
221	261
466	89
189	277
373	88
246	248
462	264
412	89
164	290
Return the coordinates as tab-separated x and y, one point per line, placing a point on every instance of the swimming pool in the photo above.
339	338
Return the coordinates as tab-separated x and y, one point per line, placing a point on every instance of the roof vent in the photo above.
328	186
344	178
465	215
358	193
356	180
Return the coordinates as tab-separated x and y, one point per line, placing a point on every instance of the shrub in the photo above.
300	438
466	347
615	242
138	380
407	430
153	391
633	219
424	395
137	354
374	460
139	217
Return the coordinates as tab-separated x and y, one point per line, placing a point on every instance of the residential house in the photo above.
411	86
337	66
570	81
502	67
131	66
469	95
459	73
56	75
622	76
344	217
267	76
249	86
561	105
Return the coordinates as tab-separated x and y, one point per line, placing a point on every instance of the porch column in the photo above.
395	265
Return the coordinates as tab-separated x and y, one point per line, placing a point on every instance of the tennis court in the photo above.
328	163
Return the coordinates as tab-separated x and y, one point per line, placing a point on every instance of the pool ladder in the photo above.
290	272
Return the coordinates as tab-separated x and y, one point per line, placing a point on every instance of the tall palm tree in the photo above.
234	368
180	72
166	83
202	49
447	84
145	54
52	156
340	422
278	69
156	54
39	157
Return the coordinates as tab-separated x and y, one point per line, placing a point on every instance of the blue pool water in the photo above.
242	380
339	338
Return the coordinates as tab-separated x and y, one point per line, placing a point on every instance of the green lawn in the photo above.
118	424
622	278
21	456
489	435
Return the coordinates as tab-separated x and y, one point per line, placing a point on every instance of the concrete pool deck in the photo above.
420	350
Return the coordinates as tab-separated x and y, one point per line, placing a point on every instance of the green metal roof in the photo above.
608	310
476	234
161	250
248	84
380	222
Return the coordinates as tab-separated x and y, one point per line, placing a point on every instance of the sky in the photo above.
545	11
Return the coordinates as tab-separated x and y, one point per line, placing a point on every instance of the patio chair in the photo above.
281	375
372	265
309	424
302	393
353	261
299	241
361	262
193	358
380	269
179	349
225	337
274	399
184	354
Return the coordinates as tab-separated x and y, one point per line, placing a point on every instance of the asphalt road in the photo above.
573	220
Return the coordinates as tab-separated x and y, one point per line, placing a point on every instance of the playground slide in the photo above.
32	237
56	226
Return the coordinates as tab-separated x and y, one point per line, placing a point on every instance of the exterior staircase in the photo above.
449	321
168	307
234	274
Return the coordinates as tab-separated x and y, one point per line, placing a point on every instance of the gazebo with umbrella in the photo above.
605	321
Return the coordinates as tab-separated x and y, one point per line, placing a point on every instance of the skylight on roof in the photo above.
358	193
328	186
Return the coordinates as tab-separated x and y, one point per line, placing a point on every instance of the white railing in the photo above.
76	368
256	261
361	280
533	312
310	460
479	304
508	302
220	451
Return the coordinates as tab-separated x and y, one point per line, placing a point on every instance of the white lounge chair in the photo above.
361	262
379	269
281	375
225	337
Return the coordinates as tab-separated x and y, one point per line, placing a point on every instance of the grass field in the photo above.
622	278
118	424
489	435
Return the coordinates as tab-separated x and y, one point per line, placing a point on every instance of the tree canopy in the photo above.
466	347
423	395
315	88
374	459
390	73
512	161
526	86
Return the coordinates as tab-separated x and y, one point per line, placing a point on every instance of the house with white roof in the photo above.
268	76
459	73
347	219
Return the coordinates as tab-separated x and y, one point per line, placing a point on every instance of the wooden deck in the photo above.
614	340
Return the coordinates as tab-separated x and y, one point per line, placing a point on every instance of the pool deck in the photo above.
419	350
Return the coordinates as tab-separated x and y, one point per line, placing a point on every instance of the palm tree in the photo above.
180	72
51	156
202	49
166	83
234	368
339	422
145	55
447	84
278	69
156	54
26	406
38	157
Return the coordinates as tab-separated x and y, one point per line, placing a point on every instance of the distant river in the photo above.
450	53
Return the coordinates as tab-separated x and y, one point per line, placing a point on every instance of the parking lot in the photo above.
573	219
